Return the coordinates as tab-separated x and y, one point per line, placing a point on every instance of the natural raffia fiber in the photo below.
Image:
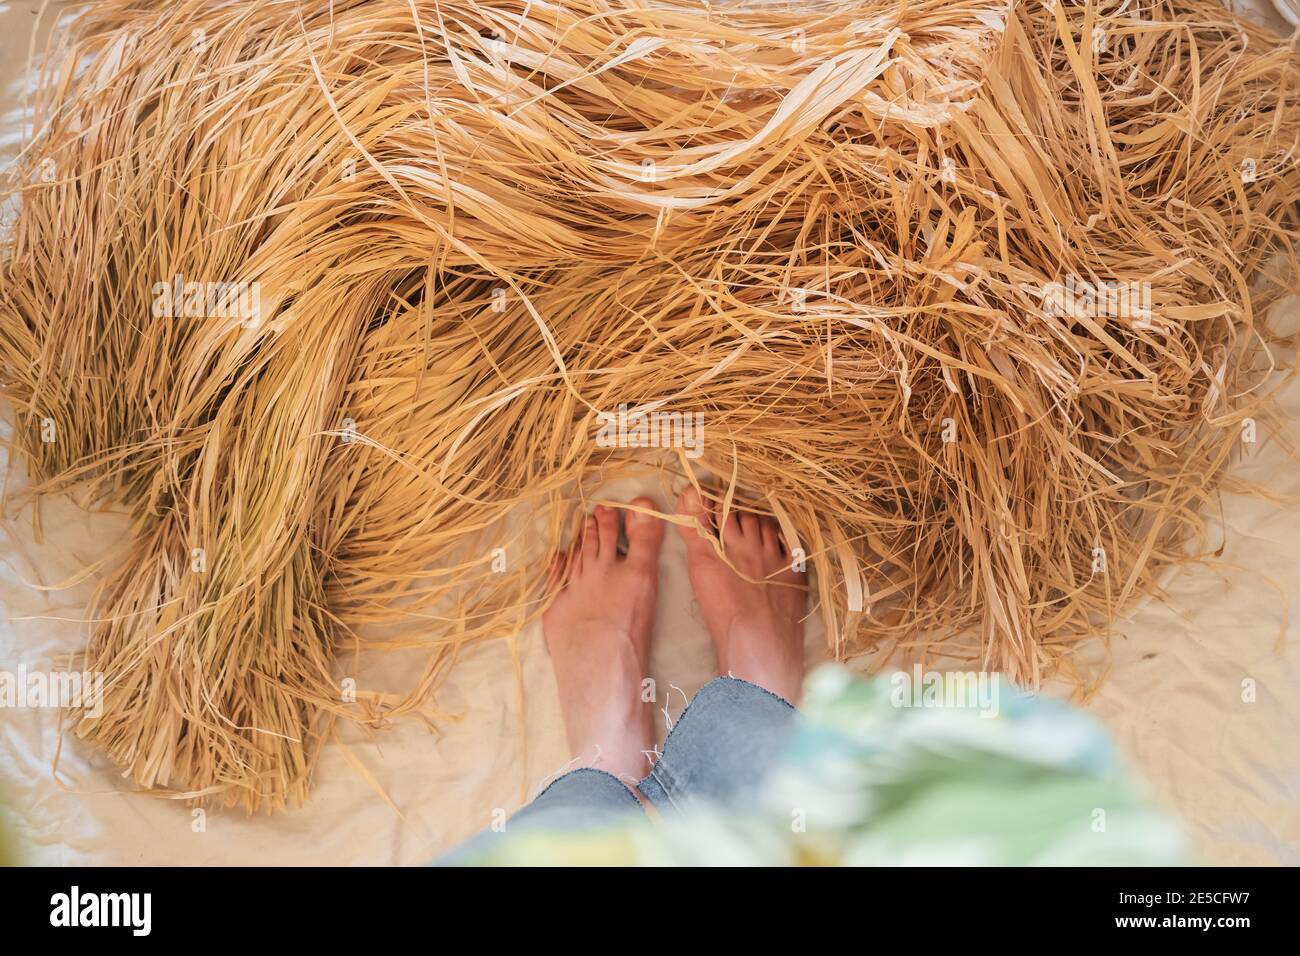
831	228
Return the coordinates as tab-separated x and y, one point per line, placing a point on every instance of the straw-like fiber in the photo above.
839	231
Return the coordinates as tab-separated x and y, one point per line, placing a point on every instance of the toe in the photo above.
573	556
733	535
749	527
644	532
607	532
589	548
692	505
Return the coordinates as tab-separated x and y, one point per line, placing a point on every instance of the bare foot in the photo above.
757	628
598	633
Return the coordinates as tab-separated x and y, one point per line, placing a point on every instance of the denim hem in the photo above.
660	781
585	770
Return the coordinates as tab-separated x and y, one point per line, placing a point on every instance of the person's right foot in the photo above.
597	631
757	628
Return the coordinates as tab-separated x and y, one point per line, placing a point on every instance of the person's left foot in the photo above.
597	630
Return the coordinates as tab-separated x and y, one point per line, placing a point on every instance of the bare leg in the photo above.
598	633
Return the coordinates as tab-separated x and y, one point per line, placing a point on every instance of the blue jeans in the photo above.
720	748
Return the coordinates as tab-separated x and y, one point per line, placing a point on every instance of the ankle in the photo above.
627	760
778	671
617	739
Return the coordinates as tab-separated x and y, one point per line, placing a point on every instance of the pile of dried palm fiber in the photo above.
838	230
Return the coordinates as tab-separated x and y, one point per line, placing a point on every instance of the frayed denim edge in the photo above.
651	776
